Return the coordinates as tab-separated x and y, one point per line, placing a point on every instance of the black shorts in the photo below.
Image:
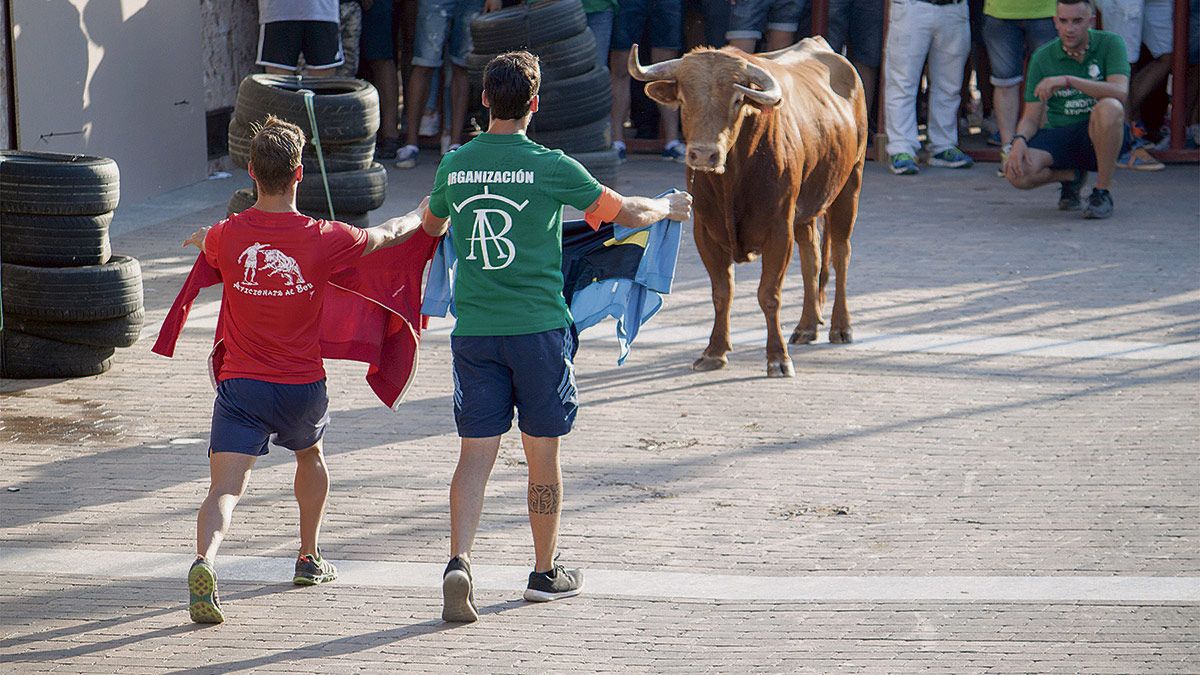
281	43
1070	146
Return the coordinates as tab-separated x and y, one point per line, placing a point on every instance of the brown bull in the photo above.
774	141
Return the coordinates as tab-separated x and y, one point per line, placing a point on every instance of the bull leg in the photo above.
810	316
776	256
720	274
839	225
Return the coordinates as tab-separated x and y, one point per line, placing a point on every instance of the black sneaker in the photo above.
458	592
1100	205
386	148
204	604
312	570
556	584
1069	198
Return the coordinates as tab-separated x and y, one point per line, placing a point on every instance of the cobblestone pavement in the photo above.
919	459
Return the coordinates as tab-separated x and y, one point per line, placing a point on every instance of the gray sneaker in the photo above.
406	157
1100	205
458	592
556	584
312	570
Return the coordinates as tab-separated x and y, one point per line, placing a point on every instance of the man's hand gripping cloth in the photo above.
371	314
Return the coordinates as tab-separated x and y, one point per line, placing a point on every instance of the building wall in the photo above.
117	78
230	43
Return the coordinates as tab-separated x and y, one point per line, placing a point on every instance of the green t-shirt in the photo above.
1105	56
1020	9
504	195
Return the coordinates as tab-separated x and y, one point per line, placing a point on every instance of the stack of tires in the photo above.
347	114
68	302
576	96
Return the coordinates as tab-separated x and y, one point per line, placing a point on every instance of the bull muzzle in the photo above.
708	157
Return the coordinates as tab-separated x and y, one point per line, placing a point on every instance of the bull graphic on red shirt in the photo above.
275	262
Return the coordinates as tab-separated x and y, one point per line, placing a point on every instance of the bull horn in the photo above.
768	93
664	70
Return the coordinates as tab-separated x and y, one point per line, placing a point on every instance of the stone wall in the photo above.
230	38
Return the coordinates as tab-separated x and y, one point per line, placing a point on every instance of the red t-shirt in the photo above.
274	268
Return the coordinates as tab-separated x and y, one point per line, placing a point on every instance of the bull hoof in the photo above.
840	337
803	336
780	369
707	363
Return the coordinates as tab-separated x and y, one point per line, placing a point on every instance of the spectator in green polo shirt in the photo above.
1080	81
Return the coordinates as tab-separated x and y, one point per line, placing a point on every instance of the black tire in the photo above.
587	138
352	191
54	241
602	165
55	184
349	156
574	102
527	26
244	199
560	60
122	331
346	109
30	357
85	293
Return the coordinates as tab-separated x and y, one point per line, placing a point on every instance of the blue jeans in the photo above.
1010	41
748	19
439	21
859	23
665	18
601	25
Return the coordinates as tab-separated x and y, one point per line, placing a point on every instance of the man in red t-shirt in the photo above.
274	263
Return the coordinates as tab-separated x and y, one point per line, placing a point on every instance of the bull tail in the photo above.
823	277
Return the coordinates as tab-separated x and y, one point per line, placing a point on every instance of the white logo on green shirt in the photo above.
484	232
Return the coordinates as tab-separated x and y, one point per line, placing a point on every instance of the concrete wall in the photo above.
118	78
230	43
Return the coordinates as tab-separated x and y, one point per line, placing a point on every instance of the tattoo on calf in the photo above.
545	499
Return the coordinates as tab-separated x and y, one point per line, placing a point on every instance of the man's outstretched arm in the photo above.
395	231
639	211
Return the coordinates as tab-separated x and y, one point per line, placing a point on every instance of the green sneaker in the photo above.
312	570
904	164
204	605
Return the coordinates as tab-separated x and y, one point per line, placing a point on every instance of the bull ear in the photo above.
664	92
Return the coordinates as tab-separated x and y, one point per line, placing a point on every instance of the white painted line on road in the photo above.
205	317
100	564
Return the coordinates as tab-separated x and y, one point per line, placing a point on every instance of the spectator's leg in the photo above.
386	79
1156	34
460	93
668	117
778	39
908	39
1147	79
545	497
351	15
1006	51
747	19
414	107
1106	128
619	77
950	46
1038	172
475	462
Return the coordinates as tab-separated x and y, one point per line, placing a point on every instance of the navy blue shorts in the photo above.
665	18
249	413
535	373
1070	146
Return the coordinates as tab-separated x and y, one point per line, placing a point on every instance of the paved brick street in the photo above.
1012	443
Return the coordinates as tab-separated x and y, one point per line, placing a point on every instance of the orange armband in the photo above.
608	205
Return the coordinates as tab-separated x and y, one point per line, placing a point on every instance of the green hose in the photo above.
316	140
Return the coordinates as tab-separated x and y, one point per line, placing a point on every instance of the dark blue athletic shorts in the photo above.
535	373
250	413
1070	146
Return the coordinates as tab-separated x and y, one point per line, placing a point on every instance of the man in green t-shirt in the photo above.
501	196
1080	81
